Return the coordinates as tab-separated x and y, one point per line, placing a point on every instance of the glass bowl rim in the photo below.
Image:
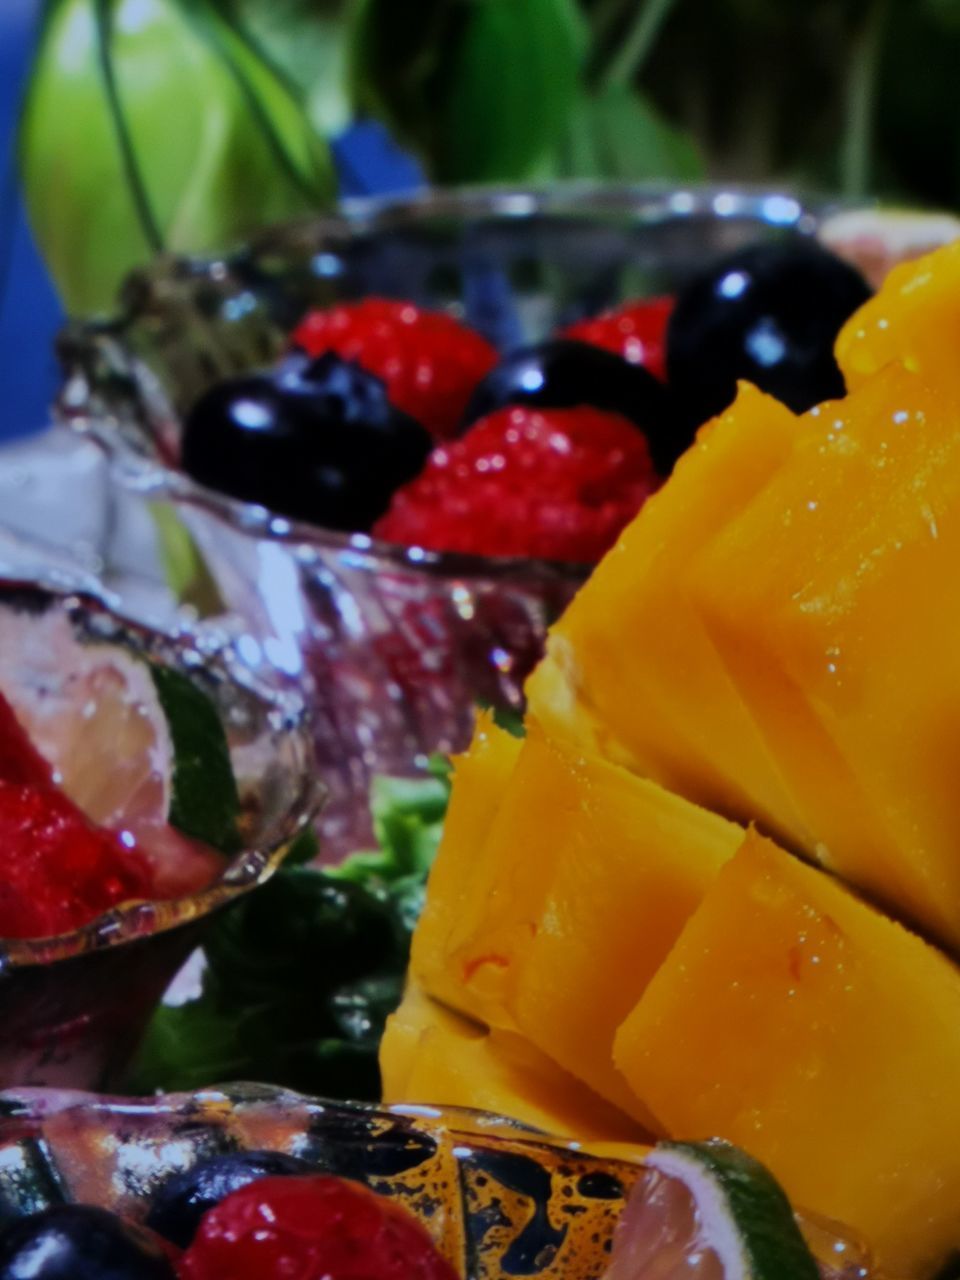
653	202
243	871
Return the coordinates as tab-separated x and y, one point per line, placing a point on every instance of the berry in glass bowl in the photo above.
145	782
415	309
273	1184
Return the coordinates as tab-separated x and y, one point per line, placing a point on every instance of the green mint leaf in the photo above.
204	803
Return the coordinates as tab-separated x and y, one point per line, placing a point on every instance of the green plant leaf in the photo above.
481	88
156	127
307	40
204	803
618	134
408	816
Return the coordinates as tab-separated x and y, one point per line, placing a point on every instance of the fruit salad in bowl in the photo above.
250	1183
400	437
145	782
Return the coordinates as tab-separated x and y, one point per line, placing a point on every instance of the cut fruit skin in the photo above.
708	1211
767	1025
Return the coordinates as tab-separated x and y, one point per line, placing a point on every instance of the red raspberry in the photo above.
637	331
429	362
59	870
557	484
311	1228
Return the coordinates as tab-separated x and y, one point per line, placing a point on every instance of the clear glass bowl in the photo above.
499	1199
394	647
72	1007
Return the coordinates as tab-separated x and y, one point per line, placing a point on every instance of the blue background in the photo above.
29	313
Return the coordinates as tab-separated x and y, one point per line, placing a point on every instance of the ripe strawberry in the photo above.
59	870
429	362
557	484
311	1228
637	331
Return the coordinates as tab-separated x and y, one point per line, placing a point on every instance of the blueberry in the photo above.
317	440
185	1197
562	374
79	1242
768	314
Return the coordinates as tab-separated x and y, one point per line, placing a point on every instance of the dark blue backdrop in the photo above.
29	314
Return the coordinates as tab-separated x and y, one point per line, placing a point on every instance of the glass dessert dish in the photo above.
498	1199
393	646
73	1005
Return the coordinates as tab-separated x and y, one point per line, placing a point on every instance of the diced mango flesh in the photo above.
773	638
430	1055
914	320
480	775
837	640
629	862
795	1020
586	877
630	657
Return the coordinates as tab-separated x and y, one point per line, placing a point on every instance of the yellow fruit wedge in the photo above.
913	319
431	1055
625	864
584	881
839	638
793	1019
630	670
480	775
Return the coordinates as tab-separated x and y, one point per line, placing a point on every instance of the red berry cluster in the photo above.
557	484
289	1227
428	361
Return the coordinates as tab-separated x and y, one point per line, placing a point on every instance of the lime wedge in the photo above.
708	1211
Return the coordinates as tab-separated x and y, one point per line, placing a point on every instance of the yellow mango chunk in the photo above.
630	670
430	1055
480	775
475	938
626	863
914	319
795	1020
839	639
586	877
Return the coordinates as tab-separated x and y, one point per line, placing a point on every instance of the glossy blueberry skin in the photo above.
562	374
79	1242
768	315
184	1198
315	440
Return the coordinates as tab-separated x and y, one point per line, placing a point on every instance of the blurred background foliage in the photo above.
851	95
855	96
